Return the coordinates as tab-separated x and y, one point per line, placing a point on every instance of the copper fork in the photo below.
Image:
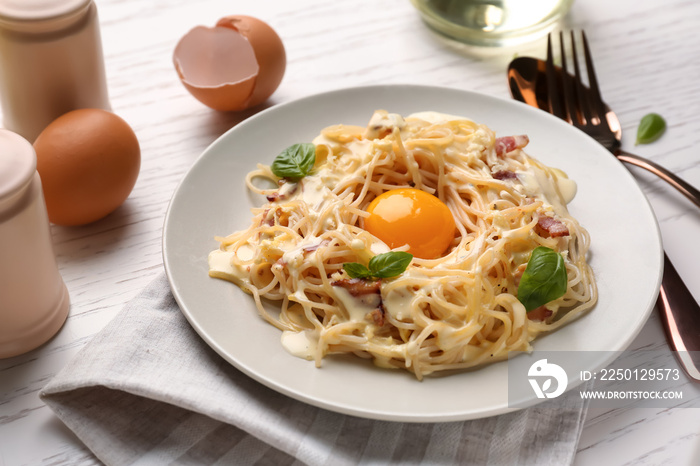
586	110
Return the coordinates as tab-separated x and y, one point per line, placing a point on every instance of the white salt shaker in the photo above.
34	301
51	62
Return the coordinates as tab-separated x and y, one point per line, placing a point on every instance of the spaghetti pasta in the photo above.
455	311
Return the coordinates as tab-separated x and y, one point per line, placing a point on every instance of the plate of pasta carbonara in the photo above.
382	251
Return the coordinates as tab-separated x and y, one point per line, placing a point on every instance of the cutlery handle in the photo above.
680	314
681	185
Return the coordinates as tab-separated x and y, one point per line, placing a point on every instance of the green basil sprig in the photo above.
387	265
544	279
651	127
295	162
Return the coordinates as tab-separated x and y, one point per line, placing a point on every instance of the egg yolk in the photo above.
413	217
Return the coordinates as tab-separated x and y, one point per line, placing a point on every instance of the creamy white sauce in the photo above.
355	307
220	265
436	117
246	252
397	303
567	187
294	257
314	192
379	248
382	121
301	344
357	244
557	190
288	189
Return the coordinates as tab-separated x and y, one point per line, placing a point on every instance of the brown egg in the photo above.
233	66
88	161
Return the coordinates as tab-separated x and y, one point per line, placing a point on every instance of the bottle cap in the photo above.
32	10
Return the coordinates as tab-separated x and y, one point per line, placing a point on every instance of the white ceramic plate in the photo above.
212	200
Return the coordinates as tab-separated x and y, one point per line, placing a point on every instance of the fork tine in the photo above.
569	92
555	106
597	103
581	94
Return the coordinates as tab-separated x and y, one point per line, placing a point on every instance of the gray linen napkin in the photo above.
148	390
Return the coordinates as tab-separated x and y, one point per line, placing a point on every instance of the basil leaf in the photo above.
389	264
355	270
295	162
544	279
651	127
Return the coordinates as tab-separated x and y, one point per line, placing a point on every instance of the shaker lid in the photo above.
17	163
26	10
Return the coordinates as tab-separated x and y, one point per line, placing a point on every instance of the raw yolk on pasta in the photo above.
413	217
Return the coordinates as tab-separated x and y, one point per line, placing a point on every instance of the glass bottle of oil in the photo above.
492	22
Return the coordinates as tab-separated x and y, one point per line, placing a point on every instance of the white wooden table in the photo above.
647	60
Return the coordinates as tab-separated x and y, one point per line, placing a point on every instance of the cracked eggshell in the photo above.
269	52
233	66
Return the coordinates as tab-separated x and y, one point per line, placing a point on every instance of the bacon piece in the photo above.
275	217
277	196
368	293
267	219
377	316
505	175
539	313
507	144
314	247
284	192
358	286
550	226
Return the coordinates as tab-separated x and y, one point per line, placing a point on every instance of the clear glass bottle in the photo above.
51	62
492	22
34	301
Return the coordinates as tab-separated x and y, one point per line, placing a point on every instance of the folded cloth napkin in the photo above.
148	390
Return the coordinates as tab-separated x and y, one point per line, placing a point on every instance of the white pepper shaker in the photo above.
51	62
34	301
